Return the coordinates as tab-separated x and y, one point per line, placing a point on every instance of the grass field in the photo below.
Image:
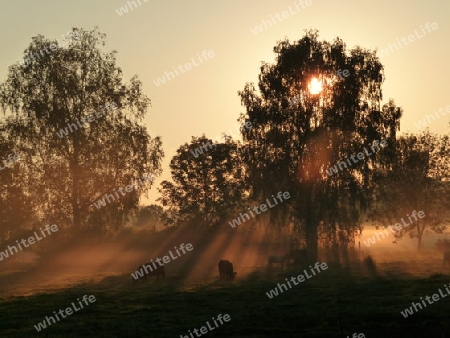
337	302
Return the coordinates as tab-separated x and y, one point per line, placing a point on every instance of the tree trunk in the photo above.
311	227
420	231
312	239
75	170
75	206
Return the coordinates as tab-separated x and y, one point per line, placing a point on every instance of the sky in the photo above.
155	36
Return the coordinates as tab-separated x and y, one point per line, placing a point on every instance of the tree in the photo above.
69	164
151	214
14	204
293	143
207	185
417	180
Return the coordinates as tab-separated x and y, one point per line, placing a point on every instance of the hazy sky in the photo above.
157	35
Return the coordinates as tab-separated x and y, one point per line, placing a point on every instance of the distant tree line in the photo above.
289	148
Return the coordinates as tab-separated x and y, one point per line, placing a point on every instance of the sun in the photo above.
315	86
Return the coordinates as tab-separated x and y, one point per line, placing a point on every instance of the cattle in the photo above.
278	259
446	258
299	256
226	270
145	269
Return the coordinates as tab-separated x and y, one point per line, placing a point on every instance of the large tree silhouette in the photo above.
66	173
293	142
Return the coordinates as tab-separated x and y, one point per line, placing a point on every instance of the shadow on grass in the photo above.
337	302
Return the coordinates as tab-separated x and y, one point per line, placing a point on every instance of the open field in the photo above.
225	168
341	300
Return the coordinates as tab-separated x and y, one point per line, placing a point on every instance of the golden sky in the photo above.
158	35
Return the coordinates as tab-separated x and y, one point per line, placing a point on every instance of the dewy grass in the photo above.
68	311
274	292
166	259
204	330
175	299
409	311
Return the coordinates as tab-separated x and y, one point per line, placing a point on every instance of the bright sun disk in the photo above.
315	86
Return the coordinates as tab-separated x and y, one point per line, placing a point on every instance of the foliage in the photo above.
207	187
292	145
418	179
65	175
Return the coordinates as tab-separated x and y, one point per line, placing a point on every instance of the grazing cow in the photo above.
226	270
278	259
446	258
299	256
145	269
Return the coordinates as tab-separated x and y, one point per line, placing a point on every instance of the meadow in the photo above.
87	118
350	296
